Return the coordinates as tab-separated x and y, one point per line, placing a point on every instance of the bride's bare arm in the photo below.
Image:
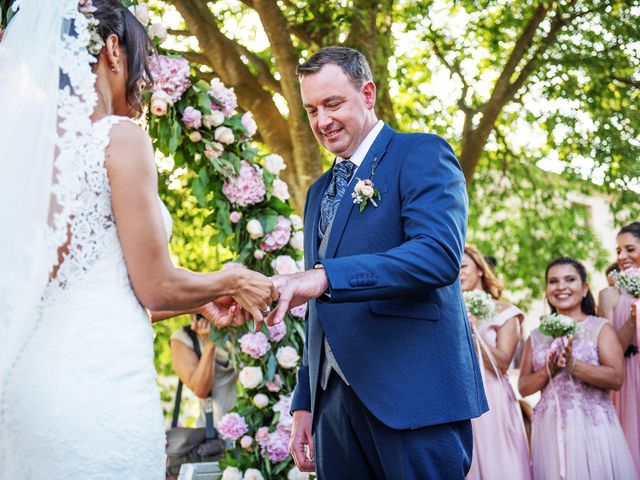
158	284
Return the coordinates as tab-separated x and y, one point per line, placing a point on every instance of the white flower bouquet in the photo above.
555	325
629	281
479	304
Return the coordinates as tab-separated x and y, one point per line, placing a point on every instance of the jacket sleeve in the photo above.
434	213
302	393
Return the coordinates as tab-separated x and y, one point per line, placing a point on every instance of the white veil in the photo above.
47	95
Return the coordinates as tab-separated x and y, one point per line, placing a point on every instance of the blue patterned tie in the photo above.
331	199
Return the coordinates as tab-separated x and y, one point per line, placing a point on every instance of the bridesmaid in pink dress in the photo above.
500	447
576	434
617	307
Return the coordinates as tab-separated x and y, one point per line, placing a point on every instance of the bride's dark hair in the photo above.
116	19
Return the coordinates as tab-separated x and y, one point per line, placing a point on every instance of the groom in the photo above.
389	379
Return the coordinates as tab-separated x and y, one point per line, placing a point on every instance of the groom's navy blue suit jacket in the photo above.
396	320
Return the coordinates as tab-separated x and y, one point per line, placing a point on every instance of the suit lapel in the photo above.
374	156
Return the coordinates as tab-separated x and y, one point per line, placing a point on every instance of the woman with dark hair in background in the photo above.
576	433
500	447
620	308
84	252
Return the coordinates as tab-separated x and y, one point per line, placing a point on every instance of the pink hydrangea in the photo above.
247	188
192	117
256	345
171	75
232	426
224	97
277	332
277	447
279	237
300	311
262	436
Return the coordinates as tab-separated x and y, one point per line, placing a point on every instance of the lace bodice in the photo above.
565	389
92	230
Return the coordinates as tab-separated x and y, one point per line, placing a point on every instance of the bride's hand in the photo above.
255	293
223	312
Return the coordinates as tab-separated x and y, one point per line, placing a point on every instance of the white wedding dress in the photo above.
81	400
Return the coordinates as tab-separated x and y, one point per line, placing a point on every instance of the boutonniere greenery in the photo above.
365	192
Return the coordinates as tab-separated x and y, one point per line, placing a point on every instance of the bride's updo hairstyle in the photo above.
115	18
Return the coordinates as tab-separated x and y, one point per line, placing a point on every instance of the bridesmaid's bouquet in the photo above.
479	304
558	327
629	281
555	325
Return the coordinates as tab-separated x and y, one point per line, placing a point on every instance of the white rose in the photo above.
251	377
284	265
253	474
296	222
297	240
274	163
254	228
224	135
249	123
280	190
367	191
213	119
260	400
359	186
159	31
287	357
160	102
141	12
231	473
246	441
295	474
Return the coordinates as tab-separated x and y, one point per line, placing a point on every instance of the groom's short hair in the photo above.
352	62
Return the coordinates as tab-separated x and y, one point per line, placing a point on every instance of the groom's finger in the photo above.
277	315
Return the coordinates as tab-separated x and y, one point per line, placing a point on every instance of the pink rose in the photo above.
195	136
232	426
259	254
246	441
262	435
279	237
249	123
235	216
192	118
277	332
284	265
278	446
275	385
256	345
213	150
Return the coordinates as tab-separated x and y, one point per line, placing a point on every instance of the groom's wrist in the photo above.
325	296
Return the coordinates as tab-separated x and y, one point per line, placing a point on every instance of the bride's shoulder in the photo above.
129	145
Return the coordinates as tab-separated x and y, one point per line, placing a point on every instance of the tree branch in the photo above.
193	57
264	75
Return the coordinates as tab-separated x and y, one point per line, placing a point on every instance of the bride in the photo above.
84	250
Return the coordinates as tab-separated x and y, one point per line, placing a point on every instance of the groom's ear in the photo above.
369	92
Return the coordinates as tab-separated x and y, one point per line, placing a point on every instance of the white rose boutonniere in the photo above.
365	192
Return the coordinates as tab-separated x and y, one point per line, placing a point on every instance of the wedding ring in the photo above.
266	310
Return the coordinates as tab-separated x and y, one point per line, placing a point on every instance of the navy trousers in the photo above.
351	444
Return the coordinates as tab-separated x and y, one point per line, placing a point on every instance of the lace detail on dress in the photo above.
91	224
570	392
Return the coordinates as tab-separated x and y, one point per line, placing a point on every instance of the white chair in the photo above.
200	471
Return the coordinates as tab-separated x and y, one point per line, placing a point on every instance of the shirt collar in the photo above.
363	148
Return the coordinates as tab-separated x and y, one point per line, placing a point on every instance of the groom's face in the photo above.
339	113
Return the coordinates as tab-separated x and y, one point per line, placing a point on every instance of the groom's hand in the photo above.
295	290
301	443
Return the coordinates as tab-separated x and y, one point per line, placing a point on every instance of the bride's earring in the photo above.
115	69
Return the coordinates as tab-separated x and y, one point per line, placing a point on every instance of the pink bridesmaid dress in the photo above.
627	400
500	449
576	434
